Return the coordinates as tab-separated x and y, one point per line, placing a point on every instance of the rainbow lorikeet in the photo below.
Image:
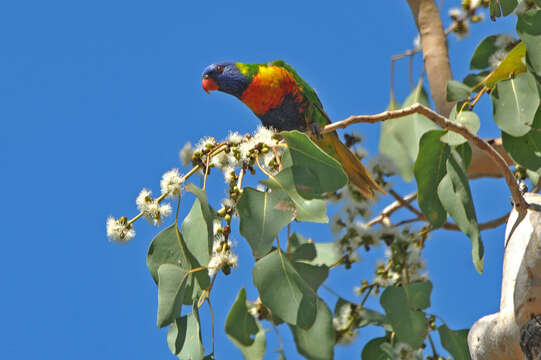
284	101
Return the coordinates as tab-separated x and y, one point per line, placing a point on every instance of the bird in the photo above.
282	100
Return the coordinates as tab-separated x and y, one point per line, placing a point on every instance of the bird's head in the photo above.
226	77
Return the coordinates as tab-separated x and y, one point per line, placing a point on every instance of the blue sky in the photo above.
96	100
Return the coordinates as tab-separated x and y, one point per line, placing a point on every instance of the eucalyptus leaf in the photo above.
515	102
301	248
172	285
184	337
407	132
284	291
526	150
373	351
430	168
487	47
314	275
418	294
240	325
465	118
255	351
529	30
455	341
262	216
197	227
455	195
305	210
457	90
410	325
325	169
168	247
317	342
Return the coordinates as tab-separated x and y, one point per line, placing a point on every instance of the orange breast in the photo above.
269	88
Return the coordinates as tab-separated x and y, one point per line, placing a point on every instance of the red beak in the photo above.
209	84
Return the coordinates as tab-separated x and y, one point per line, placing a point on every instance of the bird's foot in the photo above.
315	129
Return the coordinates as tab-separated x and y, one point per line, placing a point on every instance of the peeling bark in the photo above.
497	336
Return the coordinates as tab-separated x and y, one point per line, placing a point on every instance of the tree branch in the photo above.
518	200
434	45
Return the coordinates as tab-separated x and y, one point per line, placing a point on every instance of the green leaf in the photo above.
305	210
197	227
465	118
262	216
457	90
240	324
410	325
472	80
538	2
455	195
317	342
325	169
373	351
365	316
327	254
284	291
507	7
168	247
529	30
184	337
256	351
455	341
487	47
301	248
419	295
526	150
430	168
515	102
314	275
399	139
172	285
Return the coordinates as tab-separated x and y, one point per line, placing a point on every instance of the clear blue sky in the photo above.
96	99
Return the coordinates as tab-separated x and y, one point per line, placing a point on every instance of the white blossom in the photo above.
222	255
246	147
455	13
496	58
186	154
383	164
522	7
171	183
342	323
153	211
229	174
265	136
216	226
503	40
234	138
205	143
119	229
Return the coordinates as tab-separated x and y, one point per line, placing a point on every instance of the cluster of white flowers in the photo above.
403	351
416	266
502	42
343	324
241	150
455	13
119	229
171	183
382	165
152	210
205	144
222	253
186	153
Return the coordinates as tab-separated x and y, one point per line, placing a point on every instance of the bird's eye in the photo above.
219	69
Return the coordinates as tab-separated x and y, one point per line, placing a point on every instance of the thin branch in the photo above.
518	199
405	203
391	209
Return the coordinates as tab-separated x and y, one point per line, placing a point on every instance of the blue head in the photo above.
226	77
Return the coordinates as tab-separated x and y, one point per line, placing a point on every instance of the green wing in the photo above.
319	114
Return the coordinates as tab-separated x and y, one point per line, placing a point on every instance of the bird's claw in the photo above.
315	129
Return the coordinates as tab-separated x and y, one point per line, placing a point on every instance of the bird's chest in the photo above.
277	100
